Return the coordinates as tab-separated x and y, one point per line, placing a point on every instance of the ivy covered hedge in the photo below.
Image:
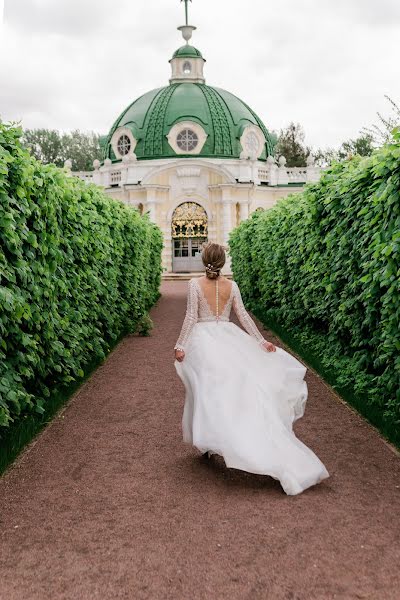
77	269
322	269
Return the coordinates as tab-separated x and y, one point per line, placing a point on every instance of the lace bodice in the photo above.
199	310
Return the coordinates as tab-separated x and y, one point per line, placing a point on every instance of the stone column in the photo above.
167	243
244	211
226	224
124	170
97	178
226	214
272	171
106	172
151	202
313	171
283	178
68	166
244	168
254	173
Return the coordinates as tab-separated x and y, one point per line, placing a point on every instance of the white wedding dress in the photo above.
241	401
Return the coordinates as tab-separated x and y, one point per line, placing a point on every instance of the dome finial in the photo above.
186	29
186	10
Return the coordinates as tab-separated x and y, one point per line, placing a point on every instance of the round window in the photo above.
124	145
187	67
252	144
187	140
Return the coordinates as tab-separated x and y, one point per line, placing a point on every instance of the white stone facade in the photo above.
190	197
228	190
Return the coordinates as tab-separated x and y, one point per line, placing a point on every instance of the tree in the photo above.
360	146
82	149
50	146
273	136
291	145
382	132
44	144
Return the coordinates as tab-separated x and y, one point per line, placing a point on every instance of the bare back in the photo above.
208	287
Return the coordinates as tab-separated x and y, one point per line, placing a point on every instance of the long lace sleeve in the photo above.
245	320
190	317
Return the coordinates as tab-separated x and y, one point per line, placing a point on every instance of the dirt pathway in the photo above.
108	503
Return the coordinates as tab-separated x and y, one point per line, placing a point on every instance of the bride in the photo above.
243	394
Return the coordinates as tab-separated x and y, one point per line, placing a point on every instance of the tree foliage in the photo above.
360	146
77	269
382	131
290	144
51	146
325	264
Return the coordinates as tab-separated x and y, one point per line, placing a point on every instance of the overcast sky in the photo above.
327	64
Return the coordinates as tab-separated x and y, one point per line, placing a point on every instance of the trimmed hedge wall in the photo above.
78	270
322	269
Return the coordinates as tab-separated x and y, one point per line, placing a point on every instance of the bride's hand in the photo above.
179	355
269	346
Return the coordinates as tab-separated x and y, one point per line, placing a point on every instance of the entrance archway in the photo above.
189	231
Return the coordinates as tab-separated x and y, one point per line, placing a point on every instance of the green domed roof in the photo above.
187	51
222	115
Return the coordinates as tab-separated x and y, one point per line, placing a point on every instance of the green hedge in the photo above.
322	268
78	270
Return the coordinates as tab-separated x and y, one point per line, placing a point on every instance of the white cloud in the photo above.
69	64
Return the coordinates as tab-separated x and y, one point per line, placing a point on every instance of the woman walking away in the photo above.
243	394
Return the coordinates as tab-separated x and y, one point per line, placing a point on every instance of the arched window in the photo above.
189	220
187	67
189	230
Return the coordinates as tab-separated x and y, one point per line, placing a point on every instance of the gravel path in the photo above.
108	502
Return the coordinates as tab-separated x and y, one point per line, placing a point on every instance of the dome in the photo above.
220	115
187	51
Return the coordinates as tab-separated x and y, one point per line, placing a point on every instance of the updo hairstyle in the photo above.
213	256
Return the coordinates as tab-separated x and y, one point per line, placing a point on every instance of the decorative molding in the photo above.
188	171
198	200
173	164
222	132
153	140
189	178
252	141
155	186
189	219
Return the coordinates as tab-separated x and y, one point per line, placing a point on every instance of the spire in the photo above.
186	10
186	29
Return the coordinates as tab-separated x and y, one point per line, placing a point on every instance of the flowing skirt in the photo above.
241	403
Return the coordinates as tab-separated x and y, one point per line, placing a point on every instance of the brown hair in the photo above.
213	256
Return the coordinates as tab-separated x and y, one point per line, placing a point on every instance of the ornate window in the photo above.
187	140
252	141
189	220
187	67
124	145
252	144
187	137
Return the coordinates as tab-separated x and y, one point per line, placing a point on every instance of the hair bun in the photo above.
213	256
